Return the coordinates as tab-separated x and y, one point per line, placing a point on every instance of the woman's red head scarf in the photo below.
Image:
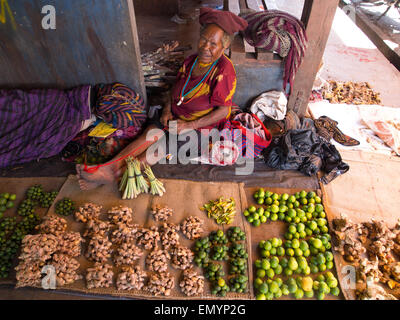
228	21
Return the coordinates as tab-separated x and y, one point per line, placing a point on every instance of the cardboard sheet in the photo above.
185	197
371	189
277	229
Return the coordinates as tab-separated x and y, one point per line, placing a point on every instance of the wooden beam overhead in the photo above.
318	16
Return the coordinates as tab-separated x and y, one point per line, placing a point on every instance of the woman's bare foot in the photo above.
103	175
85	185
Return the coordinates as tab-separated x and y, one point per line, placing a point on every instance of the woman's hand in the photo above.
180	126
165	117
167	114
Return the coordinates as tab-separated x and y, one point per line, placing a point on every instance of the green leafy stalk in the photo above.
156	186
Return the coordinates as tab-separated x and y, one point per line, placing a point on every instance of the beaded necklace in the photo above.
183	95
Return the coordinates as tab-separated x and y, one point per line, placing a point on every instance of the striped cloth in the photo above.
119	106
278	31
37	124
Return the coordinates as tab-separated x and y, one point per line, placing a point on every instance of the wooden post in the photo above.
136	44
318	17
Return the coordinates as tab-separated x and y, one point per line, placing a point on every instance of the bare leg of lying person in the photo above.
111	170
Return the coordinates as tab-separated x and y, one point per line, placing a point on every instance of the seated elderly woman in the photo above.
200	99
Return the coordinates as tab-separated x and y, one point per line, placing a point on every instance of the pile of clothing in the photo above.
303	149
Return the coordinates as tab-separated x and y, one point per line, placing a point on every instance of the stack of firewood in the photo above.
161	66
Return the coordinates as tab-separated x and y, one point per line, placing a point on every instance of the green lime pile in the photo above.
48	198
214	271
6	202
235	234
237	266
238	250
220	247
298	208
299	287
35	193
13	231
218	237
11	235
219	252
27	208
220	288
202	249
238	283
65	207
305	251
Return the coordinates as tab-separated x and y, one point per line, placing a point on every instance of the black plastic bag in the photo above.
305	151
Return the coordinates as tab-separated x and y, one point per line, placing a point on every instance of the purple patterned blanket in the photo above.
38	123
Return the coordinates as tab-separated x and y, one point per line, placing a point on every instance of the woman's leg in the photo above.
111	170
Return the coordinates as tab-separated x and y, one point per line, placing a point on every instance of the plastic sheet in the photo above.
303	150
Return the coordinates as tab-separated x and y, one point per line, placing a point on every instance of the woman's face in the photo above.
210	47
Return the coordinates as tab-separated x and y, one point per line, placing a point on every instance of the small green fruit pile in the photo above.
202	250
238	250
35	193
218	237
27	207
216	247
238	283
237	266
235	234
6	202
65	207
48	198
219	252
214	271
219	287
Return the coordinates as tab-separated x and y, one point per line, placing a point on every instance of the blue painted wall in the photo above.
93	42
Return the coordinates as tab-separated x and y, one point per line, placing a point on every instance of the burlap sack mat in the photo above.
185	197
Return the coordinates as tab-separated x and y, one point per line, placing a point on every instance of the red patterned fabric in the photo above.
226	20
278	31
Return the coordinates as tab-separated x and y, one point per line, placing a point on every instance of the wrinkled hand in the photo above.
165	117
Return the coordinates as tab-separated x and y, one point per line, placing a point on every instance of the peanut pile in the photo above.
192	228
157	260
161	213
52	225
118	215
28	273
96	227
148	238
131	278
100	276
88	211
69	243
124	233
99	249
160	284
192	284
127	254
169	235
66	268
182	257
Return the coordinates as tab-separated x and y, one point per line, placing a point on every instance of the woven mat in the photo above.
185	197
